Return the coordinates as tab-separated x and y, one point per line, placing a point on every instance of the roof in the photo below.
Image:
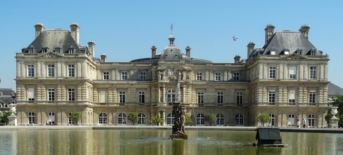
7	92
54	39
334	90
268	134
288	41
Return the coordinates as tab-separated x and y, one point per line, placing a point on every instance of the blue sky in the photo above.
126	30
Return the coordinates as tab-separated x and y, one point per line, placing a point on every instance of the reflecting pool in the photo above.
156	142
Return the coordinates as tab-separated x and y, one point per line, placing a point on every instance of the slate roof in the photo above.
287	40
334	90
7	92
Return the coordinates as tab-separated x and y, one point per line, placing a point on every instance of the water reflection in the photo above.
153	142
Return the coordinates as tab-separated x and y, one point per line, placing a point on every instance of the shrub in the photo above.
133	117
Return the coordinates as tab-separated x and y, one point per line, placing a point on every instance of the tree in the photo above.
328	116
211	118
133	117
339	103
75	117
263	118
4	118
189	120
156	120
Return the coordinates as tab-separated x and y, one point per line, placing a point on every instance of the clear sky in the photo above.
126	30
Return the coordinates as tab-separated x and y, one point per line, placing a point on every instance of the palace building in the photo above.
56	77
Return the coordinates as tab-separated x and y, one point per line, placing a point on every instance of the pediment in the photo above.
50	55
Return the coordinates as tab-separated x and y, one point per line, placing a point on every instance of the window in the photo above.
71	70
51	118
71	51
200	98
271	97
141	97
141	118
123	75
30	70
102	96
236	76
106	75
239	98
102	118
122	97
31	94
272	72
272	120
218	76
161	76
122	118
292	72
142	75
220	119
311	120
199	76
51	94
220	97
32	118
291	120
170	119
313	72
71	94
312	97
51	70
171	96
239	119
291	97
200	119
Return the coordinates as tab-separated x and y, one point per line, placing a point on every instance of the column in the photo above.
164	94
78	70
84	69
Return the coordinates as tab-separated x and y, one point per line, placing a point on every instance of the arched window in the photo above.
171	96
220	119
51	118
170	119
32	118
239	119
311	120
200	119
141	118
272	120
122	118
70	119
102	118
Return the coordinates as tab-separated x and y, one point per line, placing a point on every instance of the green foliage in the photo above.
4	118
156	120
339	103
133	117
211	119
75	116
189	120
328	116
263	118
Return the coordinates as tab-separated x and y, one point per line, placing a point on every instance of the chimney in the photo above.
75	32
269	30
153	51
103	58
91	48
188	51
251	47
39	27
304	30
237	59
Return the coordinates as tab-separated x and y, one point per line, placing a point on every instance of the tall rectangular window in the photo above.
218	76
292	72
200	98
220	97
235	76
312	97
142	76
106	75
123	75
51	94
31	94
122	97
71	94
291	97
102	96
30	70
239	98
71	70
141	97
271	97
51	70
313	72
272	72
199	76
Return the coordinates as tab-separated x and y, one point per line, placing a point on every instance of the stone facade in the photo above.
57	76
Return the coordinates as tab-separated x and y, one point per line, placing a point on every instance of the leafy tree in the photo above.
263	118
211	118
133	117
339	103
75	117
328	116
4	118
156	120
189	120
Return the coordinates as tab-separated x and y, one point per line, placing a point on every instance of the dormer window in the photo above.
57	50
30	50
44	50
312	52
71	51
